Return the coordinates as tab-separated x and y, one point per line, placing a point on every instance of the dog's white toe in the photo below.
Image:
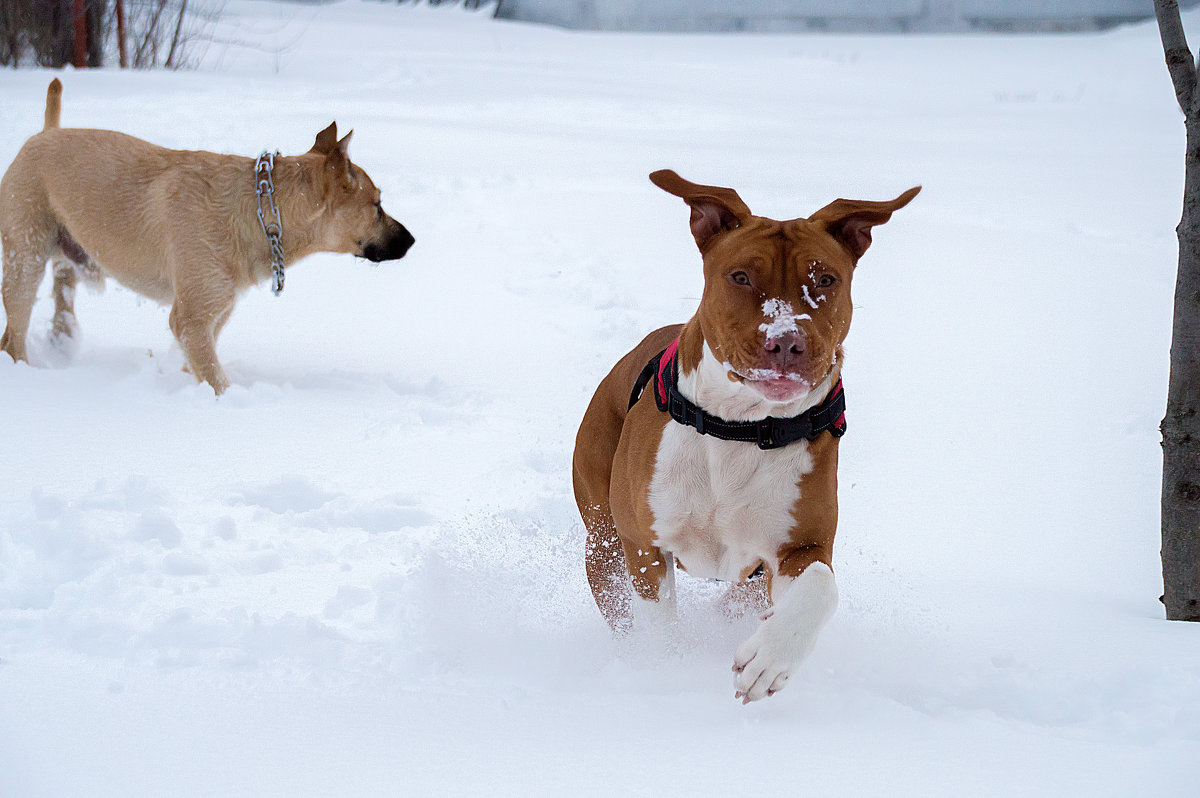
764	663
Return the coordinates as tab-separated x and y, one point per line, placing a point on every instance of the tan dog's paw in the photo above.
219	383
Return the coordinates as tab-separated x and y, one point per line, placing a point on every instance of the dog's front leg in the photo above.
652	574
804	594
195	325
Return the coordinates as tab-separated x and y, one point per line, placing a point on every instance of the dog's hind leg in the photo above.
70	265
64	325
604	562
743	598
23	270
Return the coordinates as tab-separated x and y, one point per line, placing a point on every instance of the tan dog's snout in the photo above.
392	243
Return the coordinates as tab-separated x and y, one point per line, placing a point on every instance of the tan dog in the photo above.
757	370
180	227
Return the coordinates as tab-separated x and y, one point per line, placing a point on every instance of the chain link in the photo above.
268	218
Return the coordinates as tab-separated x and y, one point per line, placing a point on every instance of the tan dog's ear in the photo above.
850	221
714	209
337	162
326	140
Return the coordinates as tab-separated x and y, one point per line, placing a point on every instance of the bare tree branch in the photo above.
175	39
1179	56
146	53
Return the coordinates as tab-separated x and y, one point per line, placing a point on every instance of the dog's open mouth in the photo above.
773	385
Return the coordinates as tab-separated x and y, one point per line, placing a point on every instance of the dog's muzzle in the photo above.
393	245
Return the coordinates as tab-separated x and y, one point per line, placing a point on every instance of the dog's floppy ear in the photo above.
714	209
326	140
850	221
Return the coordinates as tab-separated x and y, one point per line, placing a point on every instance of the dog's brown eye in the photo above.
826	280
740	278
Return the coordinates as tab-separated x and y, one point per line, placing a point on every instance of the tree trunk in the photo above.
1181	425
95	32
79	59
123	53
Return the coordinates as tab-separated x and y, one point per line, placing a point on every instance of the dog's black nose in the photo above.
393	246
406	241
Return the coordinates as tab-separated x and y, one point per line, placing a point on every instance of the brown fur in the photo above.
180	227
616	448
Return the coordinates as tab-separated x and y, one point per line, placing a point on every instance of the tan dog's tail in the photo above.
53	104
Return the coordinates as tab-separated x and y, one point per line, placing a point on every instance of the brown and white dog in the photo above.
179	227
764	351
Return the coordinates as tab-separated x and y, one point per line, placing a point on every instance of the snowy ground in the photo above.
358	573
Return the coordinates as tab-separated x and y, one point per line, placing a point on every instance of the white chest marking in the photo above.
722	507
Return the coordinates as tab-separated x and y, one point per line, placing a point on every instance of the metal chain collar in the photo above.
272	225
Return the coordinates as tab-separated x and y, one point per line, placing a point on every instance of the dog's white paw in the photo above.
764	663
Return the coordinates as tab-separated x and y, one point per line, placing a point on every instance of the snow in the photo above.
782	318
359	572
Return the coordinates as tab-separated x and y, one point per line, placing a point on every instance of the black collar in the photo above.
769	433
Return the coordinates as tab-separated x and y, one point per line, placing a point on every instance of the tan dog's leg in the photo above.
196	324
65	279
23	271
221	321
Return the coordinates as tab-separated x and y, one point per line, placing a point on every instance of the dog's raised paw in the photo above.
786	635
764	663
